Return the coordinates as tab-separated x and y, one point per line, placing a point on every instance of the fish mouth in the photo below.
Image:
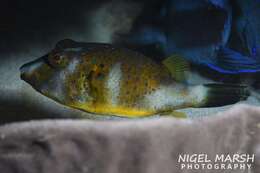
22	72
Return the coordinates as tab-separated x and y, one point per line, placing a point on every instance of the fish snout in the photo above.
23	70
28	69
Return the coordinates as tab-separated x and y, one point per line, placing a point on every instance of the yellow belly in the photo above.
115	110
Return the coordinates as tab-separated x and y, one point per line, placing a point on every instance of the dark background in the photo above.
38	21
33	22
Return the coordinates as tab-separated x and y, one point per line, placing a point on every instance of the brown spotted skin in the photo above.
141	75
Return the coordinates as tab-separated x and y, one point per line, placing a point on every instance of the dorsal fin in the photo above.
178	67
66	43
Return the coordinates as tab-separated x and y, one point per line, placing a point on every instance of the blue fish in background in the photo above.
201	31
247	26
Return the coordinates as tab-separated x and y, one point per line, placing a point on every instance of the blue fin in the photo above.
232	62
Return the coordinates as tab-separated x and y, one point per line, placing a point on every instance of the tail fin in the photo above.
224	94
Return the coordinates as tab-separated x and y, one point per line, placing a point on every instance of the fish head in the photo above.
57	75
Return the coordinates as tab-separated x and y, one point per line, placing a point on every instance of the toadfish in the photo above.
110	80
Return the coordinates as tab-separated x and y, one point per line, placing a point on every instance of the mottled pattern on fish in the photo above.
119	80
106	79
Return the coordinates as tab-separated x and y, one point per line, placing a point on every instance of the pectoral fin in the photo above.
178	67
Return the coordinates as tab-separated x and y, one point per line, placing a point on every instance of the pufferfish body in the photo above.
110	80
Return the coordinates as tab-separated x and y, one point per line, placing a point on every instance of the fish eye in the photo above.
58	60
